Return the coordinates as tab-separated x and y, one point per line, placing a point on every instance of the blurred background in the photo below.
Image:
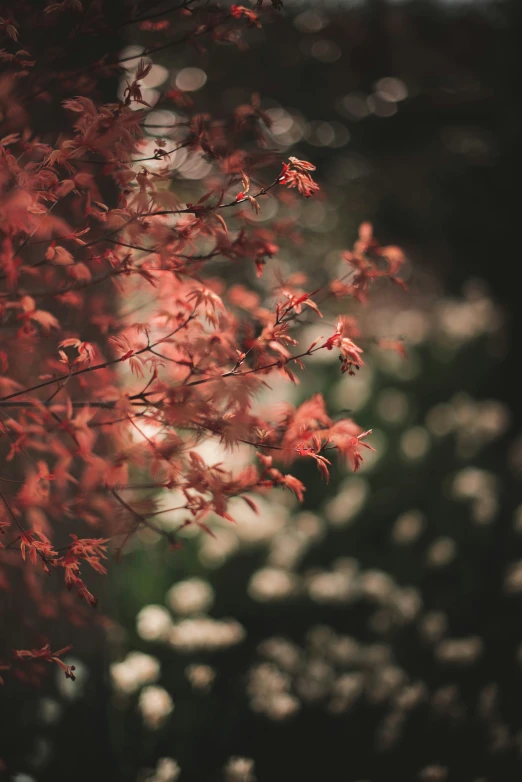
372	633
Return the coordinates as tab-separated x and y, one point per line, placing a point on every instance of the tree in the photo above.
101	408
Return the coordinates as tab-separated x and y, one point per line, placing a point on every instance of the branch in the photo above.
94	368
139	19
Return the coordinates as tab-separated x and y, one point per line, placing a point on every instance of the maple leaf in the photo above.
47	655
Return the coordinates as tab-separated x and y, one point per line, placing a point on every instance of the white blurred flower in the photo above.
353	392
460	651
315	680
213	452
153	623
49	711
433	626
190	79
286	550
411	695
392	405
412	325
344	650
377	585
290	544
331	587
408	527
133	672
156	76
441	552
396	366
268	688
346	689
341	509
407	603
377	655
433	774
131	55
200	676
283	652
282	706
213	552
440	420
192	596
469	483
239	769
479	488
460	321
257	528
205	633
155	705
513	580
271	584
475	423
385	680
415	442
167	770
